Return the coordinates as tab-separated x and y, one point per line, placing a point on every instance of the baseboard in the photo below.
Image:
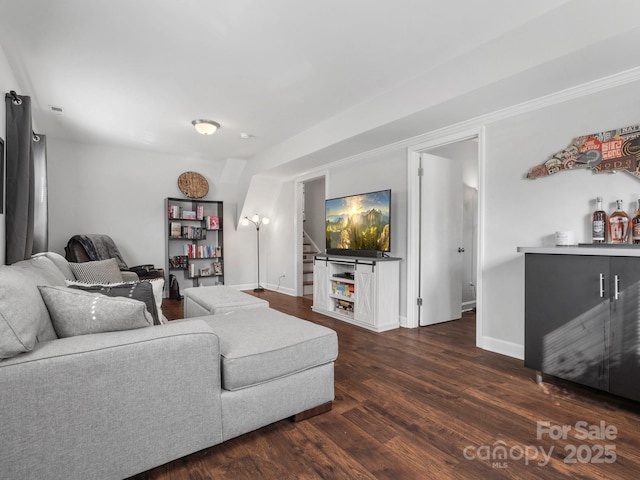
280	289
509	349
466	306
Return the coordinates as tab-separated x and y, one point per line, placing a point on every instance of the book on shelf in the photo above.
178	261
174	211
176	229
193	233
199	212
344	306
212	222
343	289
199	251
189	214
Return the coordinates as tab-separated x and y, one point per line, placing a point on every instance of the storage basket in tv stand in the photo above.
363	291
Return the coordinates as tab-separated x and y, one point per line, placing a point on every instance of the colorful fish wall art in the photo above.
610	151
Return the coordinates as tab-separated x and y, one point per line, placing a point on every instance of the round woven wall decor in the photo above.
193	185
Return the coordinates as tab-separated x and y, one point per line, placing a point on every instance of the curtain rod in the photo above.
15	99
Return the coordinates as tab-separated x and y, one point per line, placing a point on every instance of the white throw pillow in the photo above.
76	312
101	271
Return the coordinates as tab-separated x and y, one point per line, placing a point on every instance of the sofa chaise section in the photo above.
110	405
273	366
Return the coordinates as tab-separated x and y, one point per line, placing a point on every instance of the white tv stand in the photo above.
363	291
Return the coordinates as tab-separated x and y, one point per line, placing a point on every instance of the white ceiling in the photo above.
135	73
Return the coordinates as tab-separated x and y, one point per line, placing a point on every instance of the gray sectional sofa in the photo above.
106	403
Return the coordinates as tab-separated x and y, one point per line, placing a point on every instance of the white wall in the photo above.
522	212
376	171
277	244
121	192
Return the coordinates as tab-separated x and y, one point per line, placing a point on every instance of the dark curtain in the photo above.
20	181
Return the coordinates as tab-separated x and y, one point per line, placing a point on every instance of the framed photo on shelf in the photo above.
205	272
217	268
212	222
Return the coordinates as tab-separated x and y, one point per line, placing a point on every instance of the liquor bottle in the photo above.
599	224
619	225
635	228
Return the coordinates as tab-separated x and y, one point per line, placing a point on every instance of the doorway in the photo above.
310	231
443	262
464	156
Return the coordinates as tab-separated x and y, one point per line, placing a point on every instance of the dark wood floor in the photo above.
426	403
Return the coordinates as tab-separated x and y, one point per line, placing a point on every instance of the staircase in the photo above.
309	249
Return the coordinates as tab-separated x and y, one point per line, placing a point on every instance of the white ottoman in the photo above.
216	299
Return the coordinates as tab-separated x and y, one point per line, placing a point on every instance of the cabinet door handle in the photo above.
601	285
616	287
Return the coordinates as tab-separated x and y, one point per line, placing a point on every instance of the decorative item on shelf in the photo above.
212	222
635	226
257	221
599	223
217	268
565	238
178	261
619	225
218	251
205	272
193	185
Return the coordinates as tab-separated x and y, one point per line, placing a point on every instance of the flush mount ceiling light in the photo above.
206	127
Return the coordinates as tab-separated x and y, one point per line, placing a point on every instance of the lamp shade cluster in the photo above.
256	220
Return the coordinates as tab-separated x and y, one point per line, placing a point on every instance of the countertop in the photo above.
353	259
626	250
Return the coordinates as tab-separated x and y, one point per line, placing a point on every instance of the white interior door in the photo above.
441	240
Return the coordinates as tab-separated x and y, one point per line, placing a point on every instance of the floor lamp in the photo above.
257	221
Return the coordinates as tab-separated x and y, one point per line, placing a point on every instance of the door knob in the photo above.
460	250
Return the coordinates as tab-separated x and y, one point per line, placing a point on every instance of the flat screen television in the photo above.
359	224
